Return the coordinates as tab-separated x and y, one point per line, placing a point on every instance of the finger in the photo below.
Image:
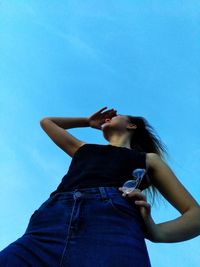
135	190
135	195
108	114
101	110
113	113
109	111
98	112
143	204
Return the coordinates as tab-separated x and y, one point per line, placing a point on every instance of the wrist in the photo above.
93	124
152	231
86	121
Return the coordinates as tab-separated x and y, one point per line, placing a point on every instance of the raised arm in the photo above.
55	127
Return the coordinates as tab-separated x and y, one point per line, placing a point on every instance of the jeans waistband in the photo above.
93	192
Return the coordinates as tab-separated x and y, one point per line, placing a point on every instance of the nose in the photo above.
107	120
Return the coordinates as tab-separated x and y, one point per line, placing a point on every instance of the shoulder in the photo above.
83	147
152	160
165	180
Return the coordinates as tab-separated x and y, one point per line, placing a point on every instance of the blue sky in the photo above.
70	58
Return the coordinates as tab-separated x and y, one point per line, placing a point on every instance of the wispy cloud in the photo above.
78	44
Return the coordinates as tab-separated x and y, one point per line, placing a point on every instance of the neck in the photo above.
121	141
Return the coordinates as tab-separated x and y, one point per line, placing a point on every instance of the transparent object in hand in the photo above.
130	185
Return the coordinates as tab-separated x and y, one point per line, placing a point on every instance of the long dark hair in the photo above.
145	139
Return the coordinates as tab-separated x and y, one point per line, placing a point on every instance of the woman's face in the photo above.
119	122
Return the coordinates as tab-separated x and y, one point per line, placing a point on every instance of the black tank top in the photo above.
95	165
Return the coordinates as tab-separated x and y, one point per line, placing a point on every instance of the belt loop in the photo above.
103	193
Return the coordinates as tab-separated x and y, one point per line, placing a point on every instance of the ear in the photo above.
131	126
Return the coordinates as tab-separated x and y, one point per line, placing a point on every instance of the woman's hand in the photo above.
151	230
98	118
140	201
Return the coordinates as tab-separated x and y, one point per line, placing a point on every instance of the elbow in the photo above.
43	120
198	212
195	217
197	220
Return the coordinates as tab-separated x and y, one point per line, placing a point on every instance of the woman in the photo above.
88	220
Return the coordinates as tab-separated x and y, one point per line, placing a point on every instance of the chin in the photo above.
105	136
103	126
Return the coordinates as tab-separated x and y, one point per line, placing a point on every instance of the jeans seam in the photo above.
67	237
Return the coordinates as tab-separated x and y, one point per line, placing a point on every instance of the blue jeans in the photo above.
83	228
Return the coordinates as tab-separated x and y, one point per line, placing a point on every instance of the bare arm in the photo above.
55	128
185	227
68	122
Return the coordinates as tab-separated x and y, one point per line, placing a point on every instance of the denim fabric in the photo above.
84	228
